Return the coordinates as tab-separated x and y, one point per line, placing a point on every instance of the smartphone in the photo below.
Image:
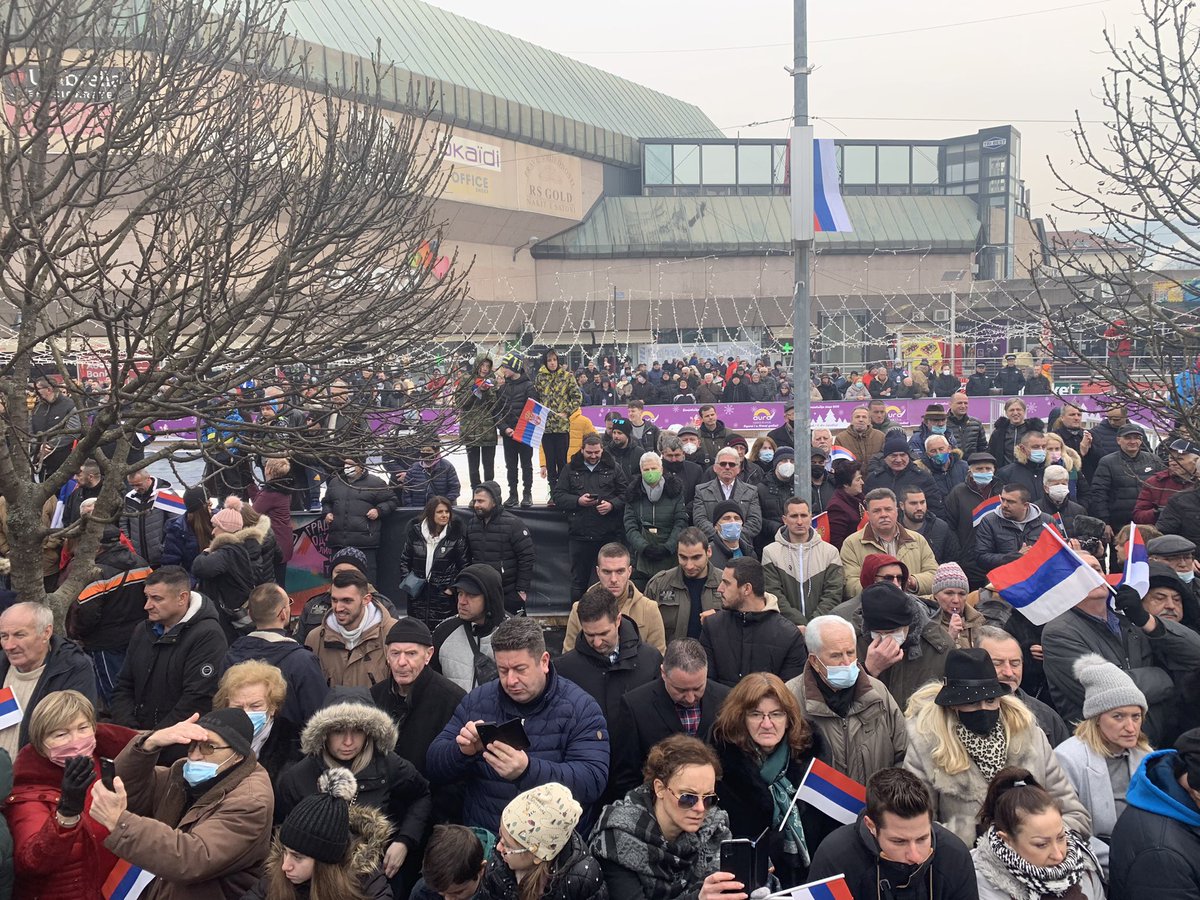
511	732
737	858
108	771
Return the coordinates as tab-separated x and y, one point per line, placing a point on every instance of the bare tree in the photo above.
1130	301
187	206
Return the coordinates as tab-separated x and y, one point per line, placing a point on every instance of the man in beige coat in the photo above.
351	643
883	533
615	571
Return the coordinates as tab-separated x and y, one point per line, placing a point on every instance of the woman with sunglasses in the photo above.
765	745
663	839
539	855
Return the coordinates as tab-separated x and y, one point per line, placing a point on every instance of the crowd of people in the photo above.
190	730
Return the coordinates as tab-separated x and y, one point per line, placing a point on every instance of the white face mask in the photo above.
1058	492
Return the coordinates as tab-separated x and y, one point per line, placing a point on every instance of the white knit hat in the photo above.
1105	686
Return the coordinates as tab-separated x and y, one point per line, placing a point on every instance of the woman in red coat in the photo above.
59	849
845	509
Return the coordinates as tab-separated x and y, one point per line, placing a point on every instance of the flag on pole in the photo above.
817	203
829	210
838	796
1137	563
987	506
531	424
1047	581
168	502
839	452
834	888
10	709
820	524
126	882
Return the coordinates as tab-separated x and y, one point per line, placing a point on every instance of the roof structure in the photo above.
623	227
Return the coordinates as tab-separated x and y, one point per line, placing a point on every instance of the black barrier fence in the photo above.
550	594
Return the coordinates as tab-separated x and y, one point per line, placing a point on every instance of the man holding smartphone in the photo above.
591	492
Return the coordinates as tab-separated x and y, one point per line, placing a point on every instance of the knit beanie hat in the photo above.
410	631
195	499
895	442
1105	686
233	726
950	575
542	819
351	555
622	425
229	519
319	825
1187	745
728	506
884	608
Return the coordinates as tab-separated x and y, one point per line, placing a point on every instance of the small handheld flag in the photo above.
168	502
838	796
1047	581
1137	563
531	424
820	524
839	452
10	708
126	882
987	506
834	888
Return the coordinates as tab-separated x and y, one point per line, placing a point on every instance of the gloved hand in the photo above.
78	774
1129	603
655	552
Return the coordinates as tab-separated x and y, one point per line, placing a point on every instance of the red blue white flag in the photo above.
1047	581
1137	563
531	424
829	210
169	502
838	796
834	888
10	708
126	882
987	506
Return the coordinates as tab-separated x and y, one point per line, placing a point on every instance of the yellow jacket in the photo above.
581	426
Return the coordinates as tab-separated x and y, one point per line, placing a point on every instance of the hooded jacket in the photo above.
608	681
364	664
568	743
502	541
386	782
169	676
462	651
433	604
806	578
560	392
146	525
476	409
349	502
655	523
180	545
226	572
738	643
208	848
998	540
108	610
306	686
607	482
1156	844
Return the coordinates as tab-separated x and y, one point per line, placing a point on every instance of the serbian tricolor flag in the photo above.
839	452
987	506
10	708
168	502
834	888
829	210
838	796
1137	563
1047	581
126	882
531	424
820	524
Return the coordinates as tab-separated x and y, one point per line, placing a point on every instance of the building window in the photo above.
754	164
687	164
997	166
842	340
779	164
656	165
894	165
925	165
859	162
997	185
720	164
971	162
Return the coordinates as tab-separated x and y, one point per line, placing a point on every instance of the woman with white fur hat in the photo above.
1108	745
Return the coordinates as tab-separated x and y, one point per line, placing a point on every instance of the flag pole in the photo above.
802	242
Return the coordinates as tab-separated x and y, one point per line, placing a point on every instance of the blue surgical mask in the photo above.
937	429
766	455
195	773
1186	577
259	720
842	677
940	459
1037	456
731	531
982	477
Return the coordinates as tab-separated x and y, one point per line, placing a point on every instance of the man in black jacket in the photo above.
55	423
35	664
1010	379
748	634
611	659
682	701
355	504
591	492
785	434
964	429
915	516
142	521
499	539
979	384
675	462
171	668
511	397
1119	477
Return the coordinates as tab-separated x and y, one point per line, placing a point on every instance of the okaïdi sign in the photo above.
476	154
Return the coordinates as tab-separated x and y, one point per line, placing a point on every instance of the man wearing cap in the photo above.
591	493
785	434
860	438
883	533
694	449
900	470
727	486
1007	533
961	502
980	383
1154	651
675	462
1169	598
1155	849
899	642
822	480
1179	475
1119	478
511	397
419	699
463	644
203	825
933	422
348	559
1010	380
1178	553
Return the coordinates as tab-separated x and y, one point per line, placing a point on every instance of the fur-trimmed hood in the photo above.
370	834
348	708
253	532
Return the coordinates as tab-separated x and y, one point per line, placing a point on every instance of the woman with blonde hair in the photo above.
1108	745
1059	454
258	689
962	731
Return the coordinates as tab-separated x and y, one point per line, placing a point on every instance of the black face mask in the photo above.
818	472
981	721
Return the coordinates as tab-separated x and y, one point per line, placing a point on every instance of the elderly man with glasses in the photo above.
727	486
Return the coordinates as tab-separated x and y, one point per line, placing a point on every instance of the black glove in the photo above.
654	552
1130	604
78	773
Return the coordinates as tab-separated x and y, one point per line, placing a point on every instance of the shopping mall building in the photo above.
601	214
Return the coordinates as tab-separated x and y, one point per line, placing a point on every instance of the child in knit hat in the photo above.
328	848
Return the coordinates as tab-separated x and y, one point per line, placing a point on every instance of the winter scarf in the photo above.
654	494
988	751
773	771
431	545
1038	882
351	637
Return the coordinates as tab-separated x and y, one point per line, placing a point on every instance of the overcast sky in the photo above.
1032	68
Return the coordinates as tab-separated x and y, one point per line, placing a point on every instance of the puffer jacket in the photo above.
967	433
638	861
1005	438
872	735
654	524
109	609
462	651
422	483
999	540
960	506
502	541
957	798
915	475
364	664
387	783
1104	442
54	863
1117	483
607	482
212	848
738	643
806	578
350	503
511	397
568	743
1156	492
576	875
146	525
476	411
180	546
227	572
560	392
437	600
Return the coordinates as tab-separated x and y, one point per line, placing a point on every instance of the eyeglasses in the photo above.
728	465
776	716
504	850
688	800
897	579
206	747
